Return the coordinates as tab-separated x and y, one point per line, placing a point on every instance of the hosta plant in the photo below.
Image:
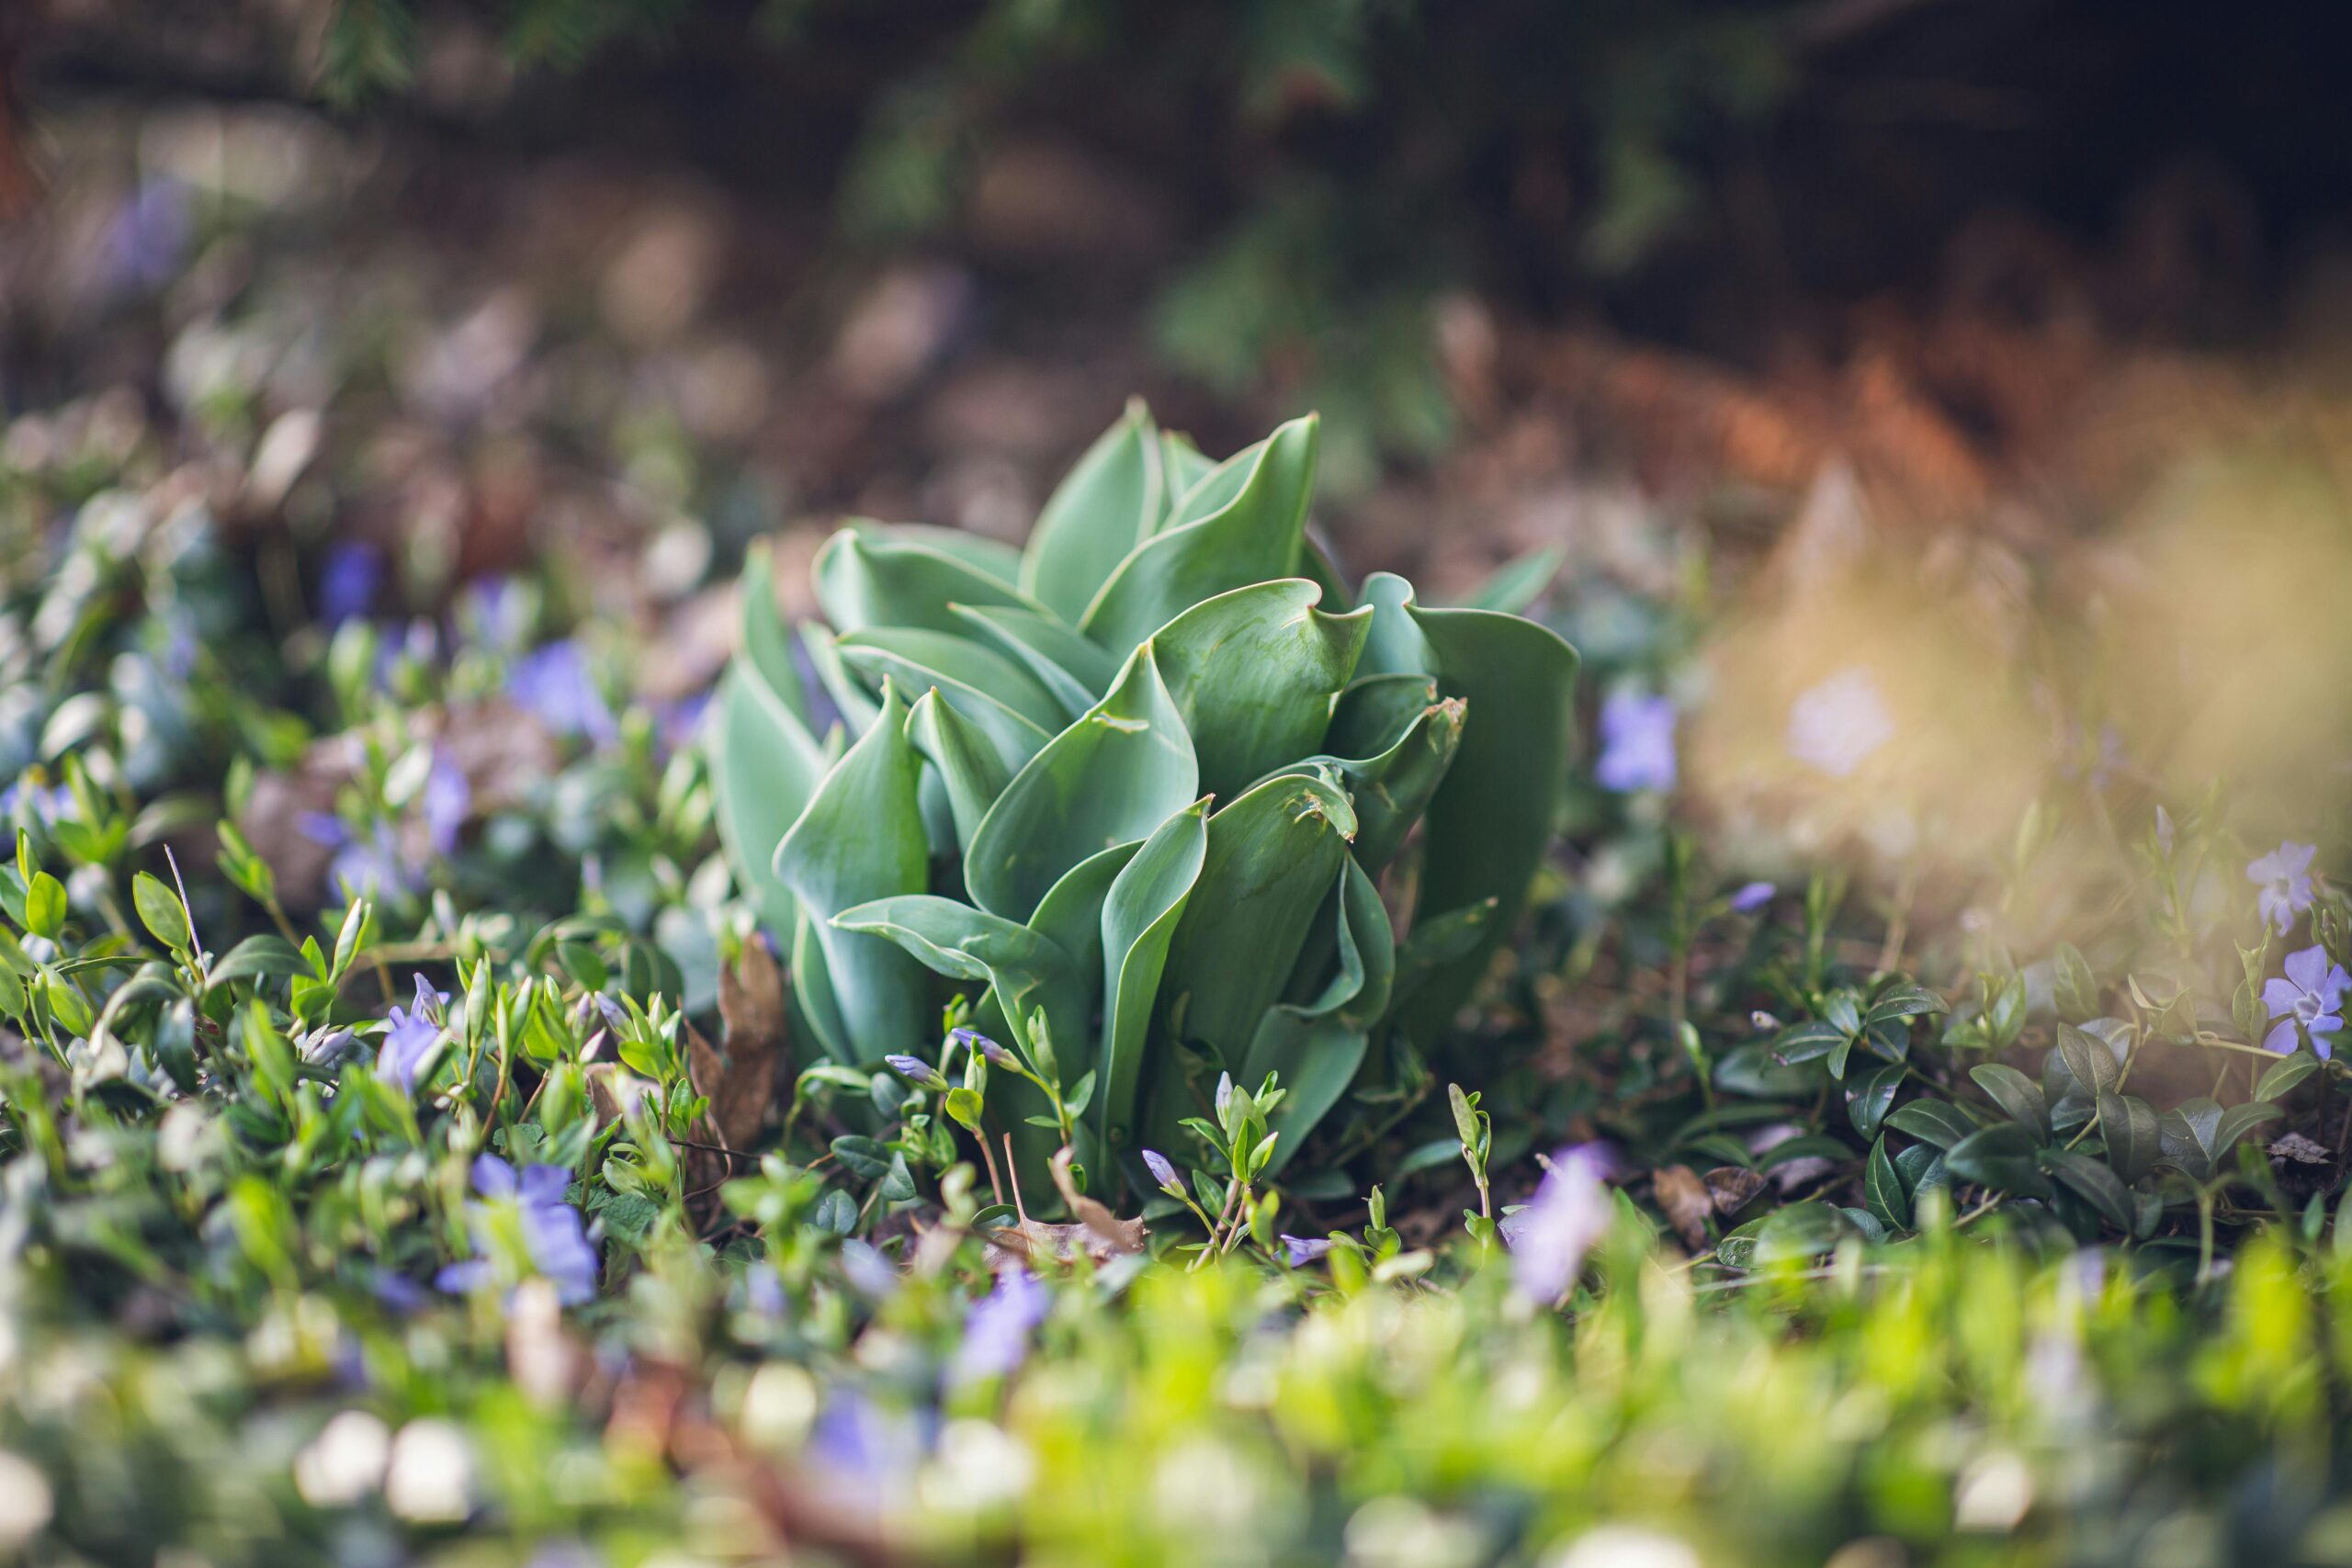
1158	794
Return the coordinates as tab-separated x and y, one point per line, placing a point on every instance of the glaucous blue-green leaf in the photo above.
1071	914
972	771
1273	857
1103	509
862	839
1391	789
990	558
1077	671
1108	779
1493	816
1254	673
854	702
1395	645
865	577
1016	714
1138	919
1318	1045
1250	537
812	992
764	768
1181	465
767	641
1375	711
1025	970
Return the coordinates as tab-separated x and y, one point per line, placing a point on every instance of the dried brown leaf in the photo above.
1733	1187
1686	1200
741	1086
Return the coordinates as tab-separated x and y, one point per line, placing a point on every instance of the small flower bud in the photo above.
916	1070
1163	1172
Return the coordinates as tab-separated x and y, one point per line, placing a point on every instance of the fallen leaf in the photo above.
1686	1200
1733	1187
2301	1150
1099	1234
742	1086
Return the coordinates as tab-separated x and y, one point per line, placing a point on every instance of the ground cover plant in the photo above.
415	1087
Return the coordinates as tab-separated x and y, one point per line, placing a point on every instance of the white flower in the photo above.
25	1502
345	1462
431	1478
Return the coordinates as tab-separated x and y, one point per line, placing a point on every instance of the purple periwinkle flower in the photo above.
1568	1218
1300	1251
867	1271
973	1040
1837	722
555	685
997	1330
916	1071
47	807
2285	878
445	803
347	583
1637	743
2311	996
554	1236
149	235
413	1033
1752	898
1163	1172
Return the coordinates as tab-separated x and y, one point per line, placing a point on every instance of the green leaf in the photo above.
867	575
1883	1190
1216	542
45	905
260	957
1933	1121
1012	709
1077	671
2189	1135
1492	818
2283	1074
766	640
764	769
1254	671
1811	1145
1026	970
1808	1041
2014	1092
1318	1045
1869	1097
862	1157
854	700
1183	467
2000	1156
1108	779
2088	1058
2095	1184
1139	918
159	911
2240	1120
862	839
1393	789
1108	503
2129	1125
969	767
1272	856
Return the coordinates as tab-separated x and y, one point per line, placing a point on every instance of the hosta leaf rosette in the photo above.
1148	781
